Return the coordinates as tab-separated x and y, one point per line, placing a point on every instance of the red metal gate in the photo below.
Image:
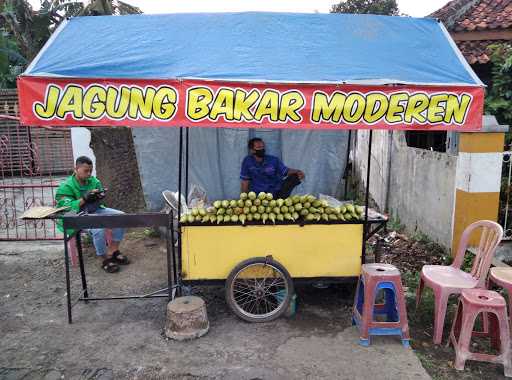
33	161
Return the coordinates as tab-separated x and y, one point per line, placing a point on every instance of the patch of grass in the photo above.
394	224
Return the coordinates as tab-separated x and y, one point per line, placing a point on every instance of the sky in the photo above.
415	8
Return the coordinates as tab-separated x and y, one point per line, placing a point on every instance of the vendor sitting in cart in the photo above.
84	193
262	172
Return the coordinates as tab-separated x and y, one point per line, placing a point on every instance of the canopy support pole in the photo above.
366	197
186	161
180	167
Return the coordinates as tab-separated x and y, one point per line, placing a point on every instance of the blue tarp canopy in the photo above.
253	46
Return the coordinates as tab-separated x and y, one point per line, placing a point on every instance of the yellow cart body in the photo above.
308	251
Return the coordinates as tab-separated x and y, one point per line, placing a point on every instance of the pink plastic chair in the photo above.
447	280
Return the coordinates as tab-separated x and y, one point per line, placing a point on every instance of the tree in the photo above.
377	7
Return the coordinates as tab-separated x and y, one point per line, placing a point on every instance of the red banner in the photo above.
171	103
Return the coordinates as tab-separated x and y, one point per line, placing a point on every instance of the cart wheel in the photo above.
259	289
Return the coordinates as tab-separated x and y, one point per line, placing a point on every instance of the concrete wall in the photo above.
81	140
421	183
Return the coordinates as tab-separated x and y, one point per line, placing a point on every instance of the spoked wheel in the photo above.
259	289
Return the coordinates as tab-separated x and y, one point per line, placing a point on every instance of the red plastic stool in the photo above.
375	277
471	303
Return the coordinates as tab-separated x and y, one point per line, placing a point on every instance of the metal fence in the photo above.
505	212
33	161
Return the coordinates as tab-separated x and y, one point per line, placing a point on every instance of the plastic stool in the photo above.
375	277
502	276
471	303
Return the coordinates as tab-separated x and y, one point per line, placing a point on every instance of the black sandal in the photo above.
119	258
110	266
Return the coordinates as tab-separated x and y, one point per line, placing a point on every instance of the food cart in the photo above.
256	70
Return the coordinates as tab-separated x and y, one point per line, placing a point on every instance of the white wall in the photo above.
80	139
421	183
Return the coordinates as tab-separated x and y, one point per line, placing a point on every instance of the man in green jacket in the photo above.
84	193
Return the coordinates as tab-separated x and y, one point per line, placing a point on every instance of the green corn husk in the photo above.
254	209
249	217
343	209
205	219
251	195
261	209
240	203
233	203
325	217
310	217
238	211
347	216
350	208
288	216
217	204
195	211
340	217
311	198
262	195
257	202
190	218
317	203
360	210
243	196
317	217
329	210
246	210
265	203
303	199
306	205
213	218
198	218
183	218
280	202
229	211
280	217
333	217
288	202
291	209
269	196
234	218
221	211
256	216
242	218
284	209
295	215
227	218
248	203
276	210
298	206
264	217
272	217
225	204
304	212
295	199
211	210
321	210
272	203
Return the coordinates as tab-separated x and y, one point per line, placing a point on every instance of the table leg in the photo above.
68	284
82	267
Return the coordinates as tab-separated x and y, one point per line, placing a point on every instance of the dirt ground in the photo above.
124	339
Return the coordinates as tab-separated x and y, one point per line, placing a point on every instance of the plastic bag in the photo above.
331	201
197	197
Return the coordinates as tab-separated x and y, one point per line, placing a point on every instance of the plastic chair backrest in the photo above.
491	235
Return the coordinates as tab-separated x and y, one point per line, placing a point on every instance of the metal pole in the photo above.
82	267
345	175
186	162
367	195
180	163
170	279
68	284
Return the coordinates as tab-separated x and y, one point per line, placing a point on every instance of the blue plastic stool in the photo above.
374	278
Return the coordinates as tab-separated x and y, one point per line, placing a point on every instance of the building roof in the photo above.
461	16
477	51
470	15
